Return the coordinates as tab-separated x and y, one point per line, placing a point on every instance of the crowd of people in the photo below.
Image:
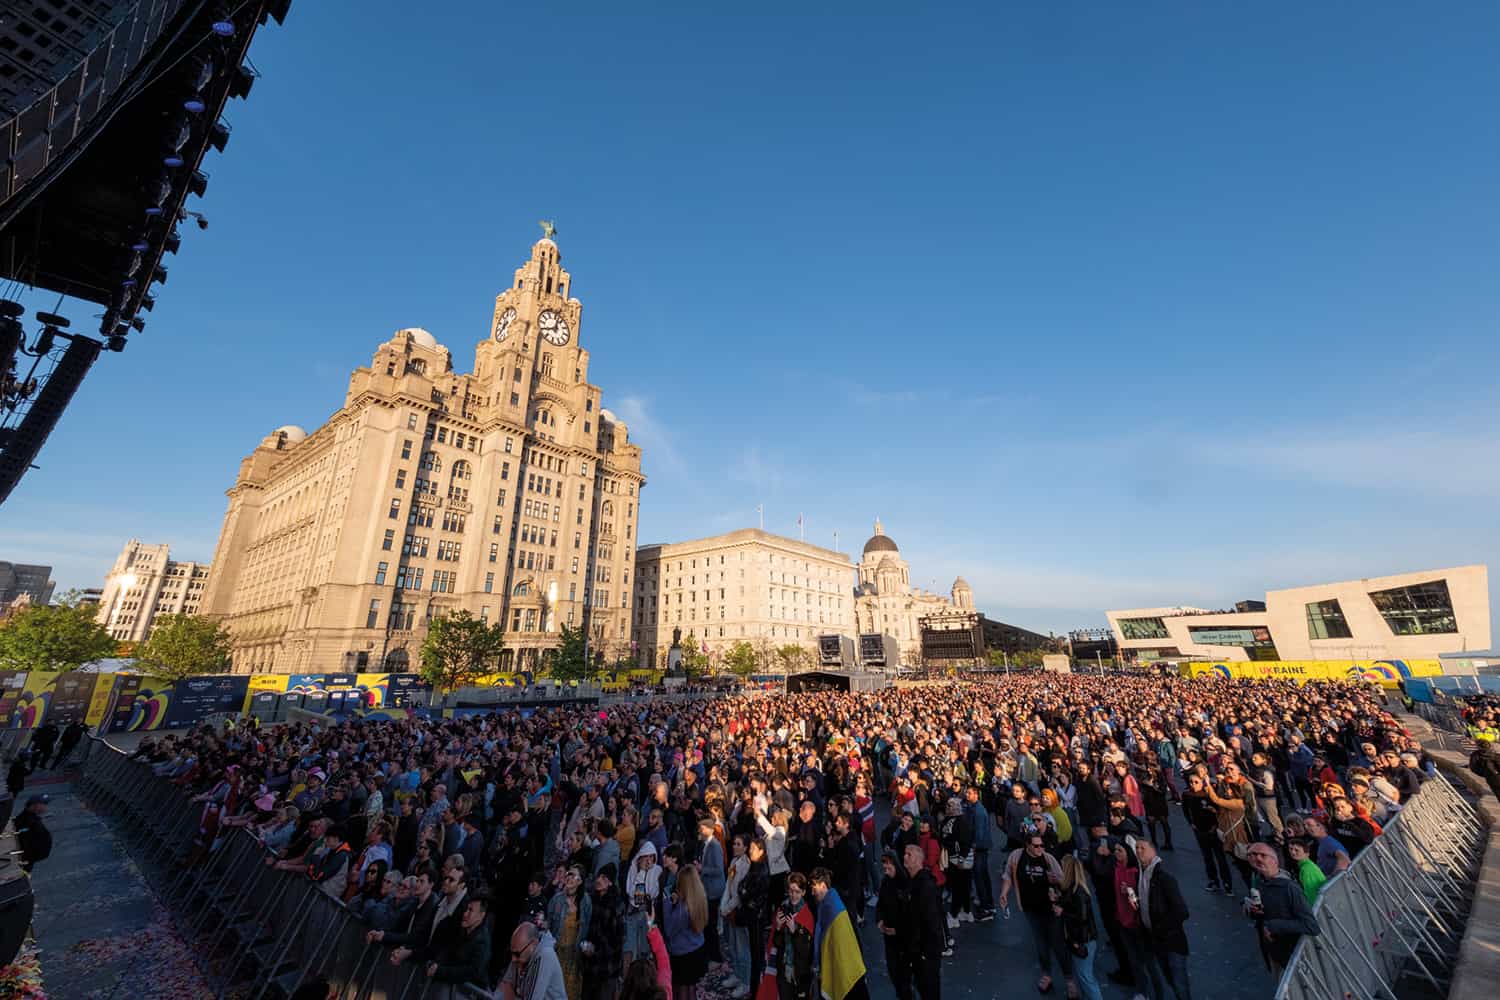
633	851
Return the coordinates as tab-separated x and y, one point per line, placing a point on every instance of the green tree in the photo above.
792	657
56	637
184	645
740	659
694	657
458	648
571	663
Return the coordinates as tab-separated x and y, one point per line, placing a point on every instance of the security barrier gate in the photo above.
1398	909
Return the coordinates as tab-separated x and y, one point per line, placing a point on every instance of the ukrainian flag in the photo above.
842	964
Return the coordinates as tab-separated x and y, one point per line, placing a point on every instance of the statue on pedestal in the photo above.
674	655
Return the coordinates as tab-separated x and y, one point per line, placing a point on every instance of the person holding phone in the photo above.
791	942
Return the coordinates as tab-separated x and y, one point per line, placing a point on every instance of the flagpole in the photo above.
761	510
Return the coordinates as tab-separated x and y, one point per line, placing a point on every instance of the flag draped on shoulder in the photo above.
841	964
767	988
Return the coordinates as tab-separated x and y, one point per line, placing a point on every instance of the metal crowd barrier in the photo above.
1398	909
254	931
1448	724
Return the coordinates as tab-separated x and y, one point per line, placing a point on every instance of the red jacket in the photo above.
932	855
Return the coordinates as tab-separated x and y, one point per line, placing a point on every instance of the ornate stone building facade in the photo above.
144	582
747	585
509	492
885	601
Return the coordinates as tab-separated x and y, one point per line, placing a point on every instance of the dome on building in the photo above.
420	337
292	431
961	584
609	415
880	541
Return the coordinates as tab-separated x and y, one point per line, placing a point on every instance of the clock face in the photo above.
503	322
553	328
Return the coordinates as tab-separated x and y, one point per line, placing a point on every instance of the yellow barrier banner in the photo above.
1387	673
265	682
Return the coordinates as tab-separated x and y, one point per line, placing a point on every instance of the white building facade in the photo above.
885	601
1404	616
145	582
744	586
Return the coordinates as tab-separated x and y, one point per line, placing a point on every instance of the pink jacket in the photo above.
663	963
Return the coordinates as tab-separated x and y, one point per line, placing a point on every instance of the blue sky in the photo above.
1100	307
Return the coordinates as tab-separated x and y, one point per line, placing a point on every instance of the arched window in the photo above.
522	589
397	660
461	470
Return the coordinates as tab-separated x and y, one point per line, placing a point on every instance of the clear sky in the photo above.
1116	305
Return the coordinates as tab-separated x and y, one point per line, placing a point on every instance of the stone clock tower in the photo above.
509	492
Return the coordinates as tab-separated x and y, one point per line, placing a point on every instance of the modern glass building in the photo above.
1406	616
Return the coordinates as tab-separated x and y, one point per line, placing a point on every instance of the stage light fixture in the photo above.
218	135
171	242
224	29
115	343
154	211
240	81
44	343
52	319
127	283
137	323
198	183
148	302
172	160
159	275
194	105
181	132
140	246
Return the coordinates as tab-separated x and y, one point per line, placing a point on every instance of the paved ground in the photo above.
100	932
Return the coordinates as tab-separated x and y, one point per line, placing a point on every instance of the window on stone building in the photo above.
406	447
489	583
395	509
380	573
390	537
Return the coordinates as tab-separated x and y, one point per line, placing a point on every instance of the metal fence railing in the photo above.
1449	730
255	932
1399	909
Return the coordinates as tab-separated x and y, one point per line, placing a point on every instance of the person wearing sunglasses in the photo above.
534	972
